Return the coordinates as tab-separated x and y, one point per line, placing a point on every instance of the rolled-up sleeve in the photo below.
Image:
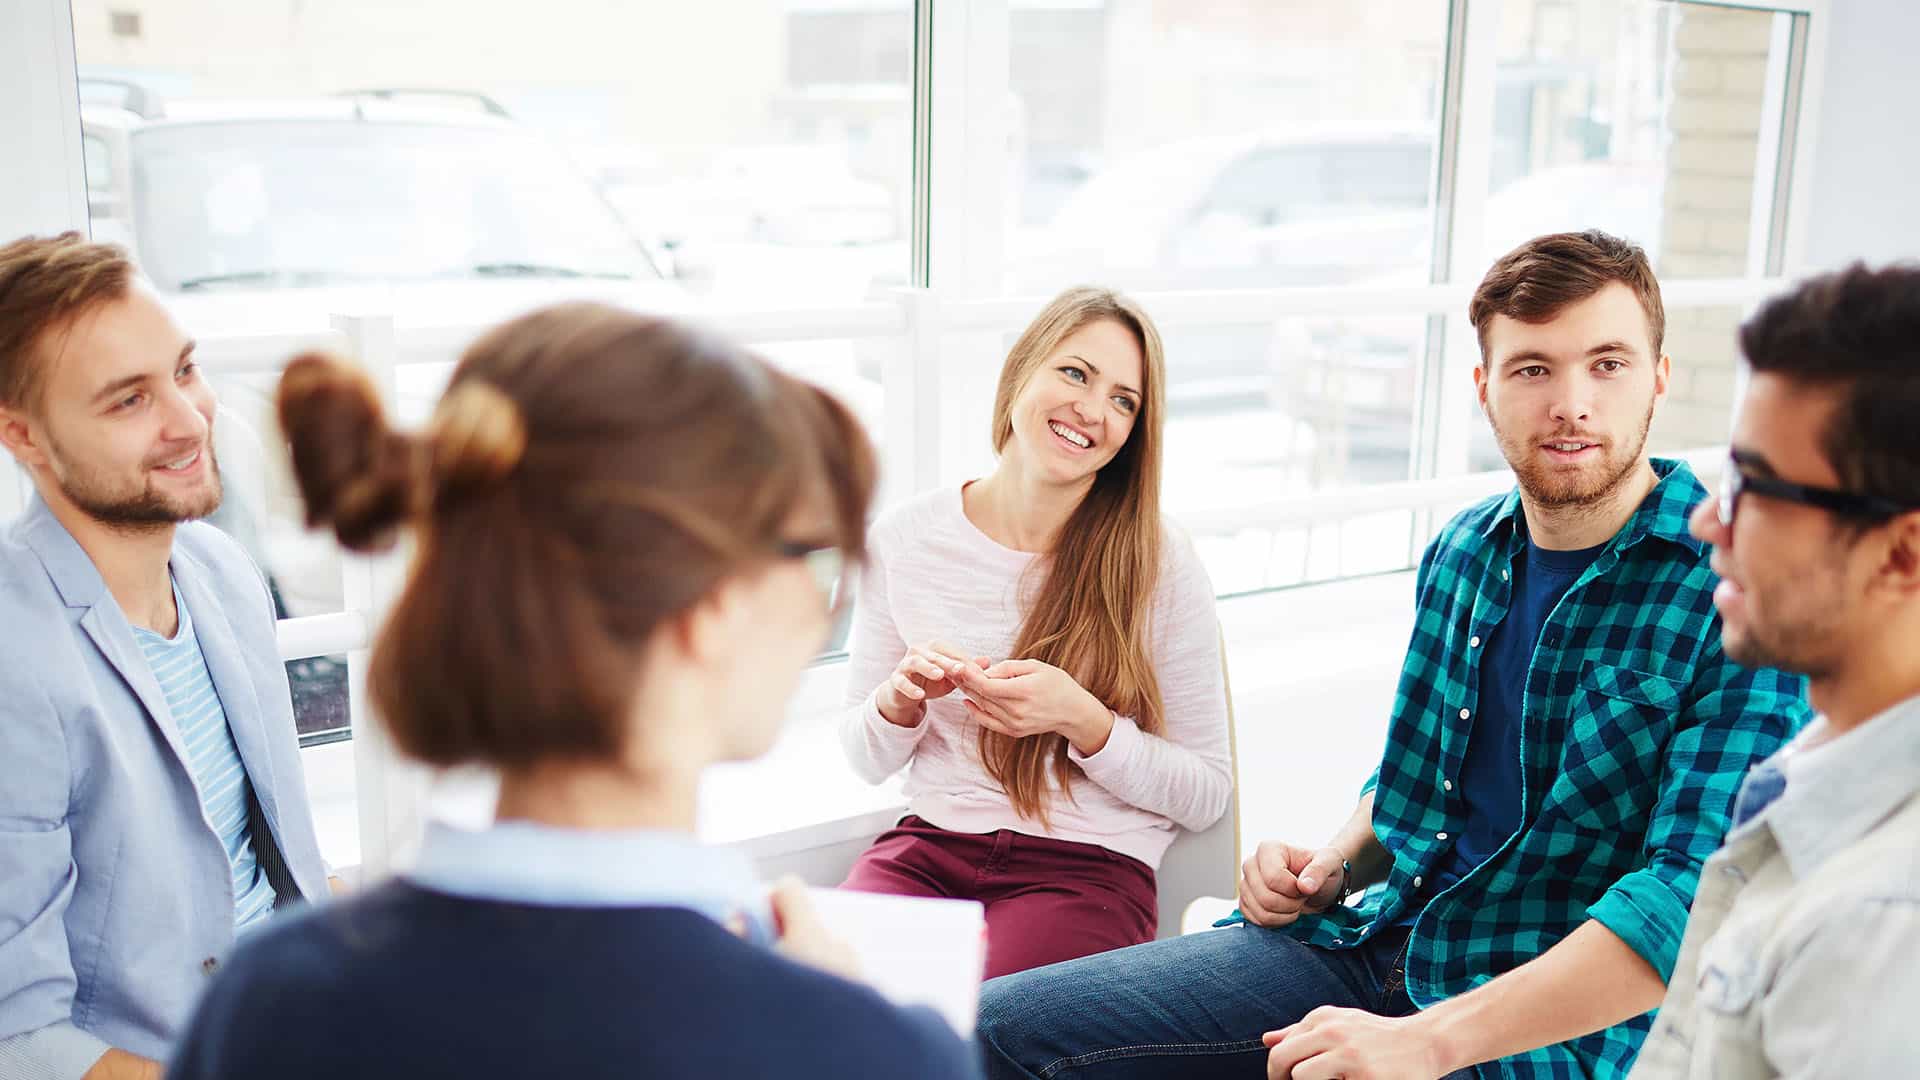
37	879
1733	718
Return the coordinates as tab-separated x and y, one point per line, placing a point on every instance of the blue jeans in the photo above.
1192	1007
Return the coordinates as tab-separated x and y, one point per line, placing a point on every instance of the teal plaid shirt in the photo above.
1636	732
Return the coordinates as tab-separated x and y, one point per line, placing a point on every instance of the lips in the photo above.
184	464
1070	436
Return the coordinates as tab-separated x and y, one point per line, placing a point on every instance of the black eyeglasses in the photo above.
1737	482
825	562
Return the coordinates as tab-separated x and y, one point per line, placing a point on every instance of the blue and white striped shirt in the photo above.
212	758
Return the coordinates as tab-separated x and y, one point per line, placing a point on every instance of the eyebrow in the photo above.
128	382
1096	371
1753	461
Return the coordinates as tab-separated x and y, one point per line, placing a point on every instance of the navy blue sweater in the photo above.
406	983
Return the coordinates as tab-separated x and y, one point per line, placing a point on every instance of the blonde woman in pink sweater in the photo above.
1039	651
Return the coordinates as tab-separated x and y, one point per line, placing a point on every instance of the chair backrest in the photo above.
1204	863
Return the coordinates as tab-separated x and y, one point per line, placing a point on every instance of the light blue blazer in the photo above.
116	900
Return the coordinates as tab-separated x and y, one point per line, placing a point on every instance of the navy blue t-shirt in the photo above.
1489	781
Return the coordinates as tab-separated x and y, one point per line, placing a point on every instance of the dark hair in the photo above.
589	474
1540	278
1856	331
46	283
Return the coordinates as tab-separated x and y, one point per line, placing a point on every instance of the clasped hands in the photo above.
1014	697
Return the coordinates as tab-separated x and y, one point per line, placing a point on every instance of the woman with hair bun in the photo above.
629	543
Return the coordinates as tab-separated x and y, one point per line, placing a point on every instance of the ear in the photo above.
1662	376
1480	380
1900	567
710	630
18	434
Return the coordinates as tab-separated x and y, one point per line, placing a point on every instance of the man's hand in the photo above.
1350	1044
1280	882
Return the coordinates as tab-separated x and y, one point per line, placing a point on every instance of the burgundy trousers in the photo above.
1047	900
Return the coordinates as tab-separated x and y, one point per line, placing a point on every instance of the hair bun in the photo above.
476	438
355	472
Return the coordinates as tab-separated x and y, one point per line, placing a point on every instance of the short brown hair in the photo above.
589	474
46	283
1540	278
1856	331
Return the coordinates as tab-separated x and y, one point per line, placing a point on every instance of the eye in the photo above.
128	402
1126	403
1073	373
1532	371
1611	366
187	370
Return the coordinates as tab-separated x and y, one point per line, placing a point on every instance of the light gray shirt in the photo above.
1802	955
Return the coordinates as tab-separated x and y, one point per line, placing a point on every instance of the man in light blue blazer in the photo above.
152	805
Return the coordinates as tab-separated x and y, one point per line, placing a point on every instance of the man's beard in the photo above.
146	510
1583	489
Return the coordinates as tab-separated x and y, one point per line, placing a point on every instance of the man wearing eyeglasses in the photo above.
1803	954
1562	757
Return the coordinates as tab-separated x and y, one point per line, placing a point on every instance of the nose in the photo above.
1704	523
1086	409
184	417
1571	406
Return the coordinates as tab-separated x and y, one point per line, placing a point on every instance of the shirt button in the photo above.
1474	642
1464	714
1503	575
1417	882
1440	836
1447	784
208	965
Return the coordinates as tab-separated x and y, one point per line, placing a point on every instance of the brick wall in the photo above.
1719	84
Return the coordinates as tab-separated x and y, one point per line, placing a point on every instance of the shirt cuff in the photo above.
1122	741
1643	911
59	1051
891	733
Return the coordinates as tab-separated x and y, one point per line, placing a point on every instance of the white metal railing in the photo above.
392	795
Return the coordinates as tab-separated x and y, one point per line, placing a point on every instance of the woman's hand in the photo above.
1028	697
803	937
925	674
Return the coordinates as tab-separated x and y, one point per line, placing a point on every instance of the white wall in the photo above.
1867	151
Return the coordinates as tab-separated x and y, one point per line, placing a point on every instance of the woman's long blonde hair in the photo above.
1090	614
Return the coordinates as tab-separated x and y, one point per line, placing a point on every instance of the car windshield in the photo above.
290	202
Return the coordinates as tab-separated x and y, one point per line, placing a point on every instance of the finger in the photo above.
991	720
905	686
945	655
1323	869
1261	904
792	911
1274	1038
1007	669
1271	862
1289	1053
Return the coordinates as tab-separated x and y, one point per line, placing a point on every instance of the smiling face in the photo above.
1571	399
1079	403
123	431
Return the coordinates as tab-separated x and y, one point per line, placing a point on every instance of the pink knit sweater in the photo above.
932	575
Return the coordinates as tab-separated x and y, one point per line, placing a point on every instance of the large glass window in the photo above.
451	165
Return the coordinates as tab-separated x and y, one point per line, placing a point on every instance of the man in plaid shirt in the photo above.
1565	747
